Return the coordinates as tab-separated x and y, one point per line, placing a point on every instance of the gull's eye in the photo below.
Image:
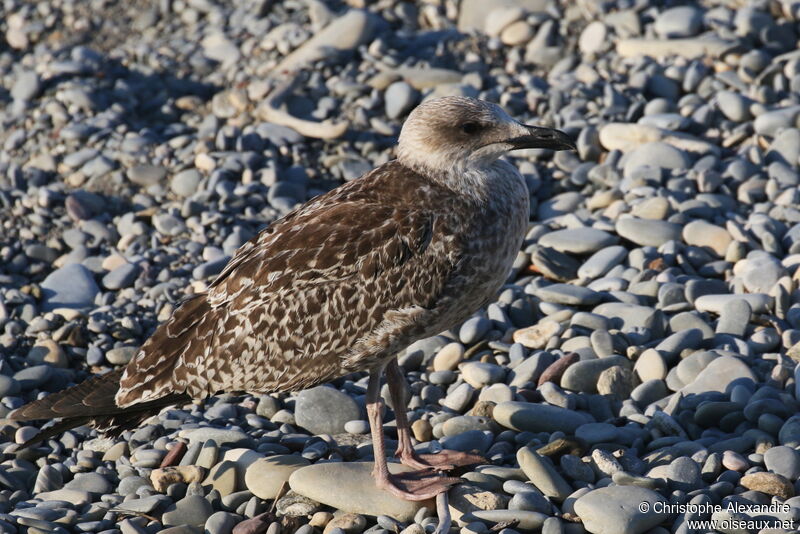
470	127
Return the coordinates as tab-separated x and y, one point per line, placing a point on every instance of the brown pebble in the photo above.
163	477
258	525
422	430
482	409
769	483
556	369
561	446
174	455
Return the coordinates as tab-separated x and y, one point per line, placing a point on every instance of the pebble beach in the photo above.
637	373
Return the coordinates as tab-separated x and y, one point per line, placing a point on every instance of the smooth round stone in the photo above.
121	355
578	240
602	261
651	365
690	367
350	487
530	369
784	461
400	97
480	374
71	286
517	33
560	204
325	410
656	155
619	509
583	375
33	377
531	501
185	183
91	482
759	302
734	461
27	86
532	417
703	234
734	318
719	375
683	474
649	392
458	399
759	272
734	106
147	175
265	477
356	427
543	475
465	423
651	208
672	346
682	21
192	510
709	414
648	232
568	294
448	357
472	440
123	276
597	433
220	523
593	38
473	330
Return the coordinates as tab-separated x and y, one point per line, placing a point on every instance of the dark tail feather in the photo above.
91	402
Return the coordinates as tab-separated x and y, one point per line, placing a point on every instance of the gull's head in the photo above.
460	133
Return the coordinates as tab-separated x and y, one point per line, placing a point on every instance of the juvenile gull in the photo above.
342	284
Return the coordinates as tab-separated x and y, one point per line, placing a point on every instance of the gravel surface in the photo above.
643	352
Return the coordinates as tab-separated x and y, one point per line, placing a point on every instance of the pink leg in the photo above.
444	460
411	486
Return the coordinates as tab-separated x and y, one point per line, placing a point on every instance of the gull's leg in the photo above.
411	486
444	460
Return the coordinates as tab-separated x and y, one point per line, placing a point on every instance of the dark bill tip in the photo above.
539	137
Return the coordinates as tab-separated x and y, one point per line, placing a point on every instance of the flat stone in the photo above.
687	48
537	336
702	234
578	240
618	509
734	318
769	483
648	232
759	302
350	487
568	294
784	461
325	410
192	510
345	33
265	476
719	375
583	375
681	21
602	261
543	475
147	175
532	417
657	154
71	286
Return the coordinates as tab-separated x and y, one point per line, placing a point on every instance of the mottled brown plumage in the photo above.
345	281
